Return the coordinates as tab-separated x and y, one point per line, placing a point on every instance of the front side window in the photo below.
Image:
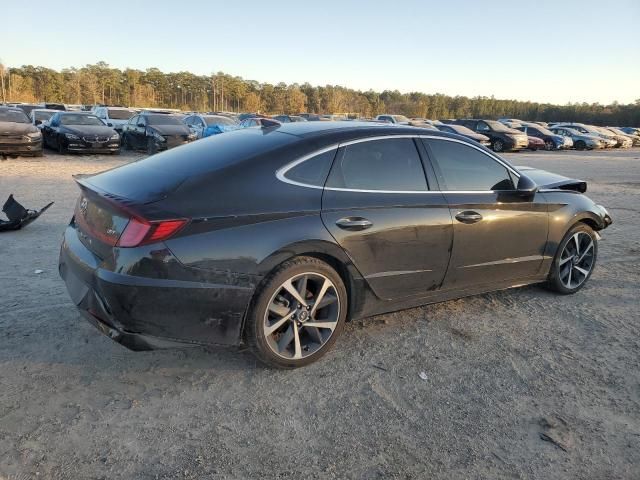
312	171
463	168
483	127
388	164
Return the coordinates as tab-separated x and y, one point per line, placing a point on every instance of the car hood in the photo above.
170	129
478	137
13	128
101	130
548	180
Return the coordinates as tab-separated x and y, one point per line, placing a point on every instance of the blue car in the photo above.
207	125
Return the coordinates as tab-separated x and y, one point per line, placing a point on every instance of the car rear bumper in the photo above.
145	313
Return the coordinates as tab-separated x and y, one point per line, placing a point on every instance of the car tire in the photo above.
580	145
152	148
549	145
574	261
125	142
497	145
62	150
281	330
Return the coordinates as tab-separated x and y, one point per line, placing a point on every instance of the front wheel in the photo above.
498	146
580	145
575	260
549	145
297	314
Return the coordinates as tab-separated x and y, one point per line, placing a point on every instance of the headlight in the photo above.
158	137
34	135
71	136
115	136
192	136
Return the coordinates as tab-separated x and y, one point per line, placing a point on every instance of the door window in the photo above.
464	168
387	164
483	127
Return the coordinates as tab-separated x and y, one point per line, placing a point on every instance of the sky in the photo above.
538	50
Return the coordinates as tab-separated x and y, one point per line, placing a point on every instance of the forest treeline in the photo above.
100	83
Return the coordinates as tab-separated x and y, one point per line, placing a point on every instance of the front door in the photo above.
498	234
378	207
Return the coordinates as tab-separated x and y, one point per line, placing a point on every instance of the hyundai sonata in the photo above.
275	237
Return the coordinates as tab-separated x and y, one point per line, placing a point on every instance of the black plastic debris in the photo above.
18	215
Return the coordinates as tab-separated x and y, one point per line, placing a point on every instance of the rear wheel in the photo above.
498	145
575	260
549	145
297	314
62	150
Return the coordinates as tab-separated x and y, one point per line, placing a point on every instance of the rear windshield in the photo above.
42	115
498	127
219	121
161	119
79	119
121	114
14	116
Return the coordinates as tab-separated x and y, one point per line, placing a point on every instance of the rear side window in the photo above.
312	171
464	168
388	164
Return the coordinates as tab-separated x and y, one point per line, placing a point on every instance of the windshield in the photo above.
163	120
541	130
42	115
498	127
462	130
118	114
14	116
219	121
400	118
80	119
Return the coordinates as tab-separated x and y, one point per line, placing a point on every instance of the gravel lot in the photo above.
464	389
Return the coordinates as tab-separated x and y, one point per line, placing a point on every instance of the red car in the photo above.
535	143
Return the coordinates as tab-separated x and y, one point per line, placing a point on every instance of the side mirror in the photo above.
526	186
38	122
141	125
109	124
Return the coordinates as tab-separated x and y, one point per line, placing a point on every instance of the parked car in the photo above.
310	117
289	118
155	132
465	132
608	139
551	140
502	138
41	116
174	258
55	106
257	122
581	141
115	117
207	125
631	130
535	143
395	119
72	131
635	139
28	107
17	135
622	139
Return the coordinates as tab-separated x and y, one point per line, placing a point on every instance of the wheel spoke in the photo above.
315	333
330	325
297	354
302	286
274	327
288	286
581	270
576	239
569	278
325	286
564	260
585	251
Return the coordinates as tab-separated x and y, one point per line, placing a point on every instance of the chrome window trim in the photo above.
281	172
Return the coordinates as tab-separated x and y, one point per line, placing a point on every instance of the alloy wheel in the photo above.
301	316
497	146
576	261
548	145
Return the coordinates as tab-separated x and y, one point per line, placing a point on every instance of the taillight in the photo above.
141	232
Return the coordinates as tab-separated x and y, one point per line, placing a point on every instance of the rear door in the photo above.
378	206
497	233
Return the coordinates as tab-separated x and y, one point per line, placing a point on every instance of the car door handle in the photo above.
468	217
354	223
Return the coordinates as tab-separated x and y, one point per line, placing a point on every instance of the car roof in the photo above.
358	128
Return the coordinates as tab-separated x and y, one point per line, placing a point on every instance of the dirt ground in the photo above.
466	389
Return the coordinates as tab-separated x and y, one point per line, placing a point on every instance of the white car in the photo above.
114	117
40	116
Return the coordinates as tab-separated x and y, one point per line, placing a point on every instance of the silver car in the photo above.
608	138
581	141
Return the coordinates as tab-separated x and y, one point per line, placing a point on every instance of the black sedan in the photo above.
275	237
465	132
80	132
155	132
502	138
17	135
